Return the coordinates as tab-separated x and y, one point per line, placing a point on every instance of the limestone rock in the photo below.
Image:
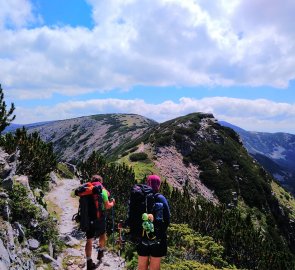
6	211
70	241
54	178
20	231
5	168
46	258
33	244
4	255
22	179
3	195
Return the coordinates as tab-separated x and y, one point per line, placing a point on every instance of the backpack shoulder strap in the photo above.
156	195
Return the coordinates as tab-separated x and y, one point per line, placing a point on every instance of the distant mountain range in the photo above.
274	151
12	127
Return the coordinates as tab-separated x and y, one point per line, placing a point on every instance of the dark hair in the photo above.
96	178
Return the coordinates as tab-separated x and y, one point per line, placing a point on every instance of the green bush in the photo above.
23	210
36	158
194	246
133	149
138	156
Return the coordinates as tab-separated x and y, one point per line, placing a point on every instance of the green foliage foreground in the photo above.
204	235
24	211
36	158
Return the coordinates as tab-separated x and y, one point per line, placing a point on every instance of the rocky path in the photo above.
73	258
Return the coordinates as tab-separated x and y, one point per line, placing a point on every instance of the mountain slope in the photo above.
197	154
278	150
208	152
77	138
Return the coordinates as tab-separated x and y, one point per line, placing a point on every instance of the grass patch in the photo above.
141	168
64	171
54	209
284	197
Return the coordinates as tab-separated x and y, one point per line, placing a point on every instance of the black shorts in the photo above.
97	228
154	249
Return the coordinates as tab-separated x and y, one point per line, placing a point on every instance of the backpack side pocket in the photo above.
158	211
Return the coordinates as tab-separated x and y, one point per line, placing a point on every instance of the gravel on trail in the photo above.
73	257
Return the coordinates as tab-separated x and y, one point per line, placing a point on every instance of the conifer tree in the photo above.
6	117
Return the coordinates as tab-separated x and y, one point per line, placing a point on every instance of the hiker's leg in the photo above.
155	263
102	240
143	262
101	246
88	247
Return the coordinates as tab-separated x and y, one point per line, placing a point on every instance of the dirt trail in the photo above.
73	257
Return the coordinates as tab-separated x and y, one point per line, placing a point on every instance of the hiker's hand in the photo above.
113	201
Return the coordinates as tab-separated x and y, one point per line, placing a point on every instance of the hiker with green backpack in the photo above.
148	220
94	200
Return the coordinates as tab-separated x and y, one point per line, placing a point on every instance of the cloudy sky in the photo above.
159	58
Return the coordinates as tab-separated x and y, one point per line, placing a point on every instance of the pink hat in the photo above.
154	181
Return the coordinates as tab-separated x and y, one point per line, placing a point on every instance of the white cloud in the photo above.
258	115
149	42
15	13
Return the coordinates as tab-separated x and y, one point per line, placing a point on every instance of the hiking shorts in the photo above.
144	248
97	228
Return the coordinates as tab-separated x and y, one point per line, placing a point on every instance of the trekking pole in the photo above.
120	241
113	227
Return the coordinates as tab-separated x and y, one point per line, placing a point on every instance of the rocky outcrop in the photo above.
170	164
13	254
16	251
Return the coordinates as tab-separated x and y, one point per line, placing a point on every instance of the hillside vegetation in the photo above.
238	181
227	211
75	139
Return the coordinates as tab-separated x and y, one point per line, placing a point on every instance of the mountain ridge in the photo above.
206	172
278	147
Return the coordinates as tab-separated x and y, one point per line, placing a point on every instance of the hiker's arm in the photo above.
107	204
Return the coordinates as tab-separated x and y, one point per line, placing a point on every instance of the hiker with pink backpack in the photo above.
148	220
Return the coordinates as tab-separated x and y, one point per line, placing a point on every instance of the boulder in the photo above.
33	244
3	266
22	179
19	231
3	195
9	237
70	241
50	249
5	168
4	255
54	178
6	211
47	258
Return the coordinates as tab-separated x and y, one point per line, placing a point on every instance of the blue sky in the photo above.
158	58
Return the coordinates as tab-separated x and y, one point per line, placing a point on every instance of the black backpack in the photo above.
143	200
89	207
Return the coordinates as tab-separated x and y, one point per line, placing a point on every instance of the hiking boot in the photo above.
90	265
99	254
